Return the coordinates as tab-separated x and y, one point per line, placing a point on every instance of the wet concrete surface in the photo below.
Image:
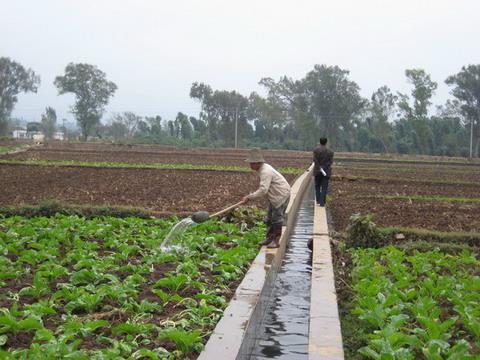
283	333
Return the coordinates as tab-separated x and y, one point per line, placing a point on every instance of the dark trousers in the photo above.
321	188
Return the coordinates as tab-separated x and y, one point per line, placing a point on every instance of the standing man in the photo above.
276	188
322	170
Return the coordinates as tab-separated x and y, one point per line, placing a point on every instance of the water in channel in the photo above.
283	332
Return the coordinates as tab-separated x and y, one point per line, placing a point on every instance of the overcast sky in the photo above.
154	49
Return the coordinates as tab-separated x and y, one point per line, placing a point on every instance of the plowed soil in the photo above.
415	172
162	155
365	196
185	191
167	191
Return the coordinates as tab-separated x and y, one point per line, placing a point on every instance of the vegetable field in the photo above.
409	283
103	289
99	287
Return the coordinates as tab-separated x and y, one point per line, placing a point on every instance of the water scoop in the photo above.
202	216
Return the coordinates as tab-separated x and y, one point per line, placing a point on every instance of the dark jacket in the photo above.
322	158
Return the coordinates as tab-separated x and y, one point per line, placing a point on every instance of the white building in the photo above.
37	136
20	134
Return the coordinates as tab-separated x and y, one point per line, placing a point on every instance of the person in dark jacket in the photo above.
322	170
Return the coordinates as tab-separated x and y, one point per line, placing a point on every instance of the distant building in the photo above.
59	135
37	136
20	134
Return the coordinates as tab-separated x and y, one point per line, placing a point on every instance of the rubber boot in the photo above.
276	234
268	237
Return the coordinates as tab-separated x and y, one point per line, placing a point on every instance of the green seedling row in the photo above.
432	198
433	170
103	289
406	161
401	180
99	164
424	305
4	149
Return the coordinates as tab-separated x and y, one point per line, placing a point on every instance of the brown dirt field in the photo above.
150	157
367	187
351	197
13	142
184	191
168	191
412	172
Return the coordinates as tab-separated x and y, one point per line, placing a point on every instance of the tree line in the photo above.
293	114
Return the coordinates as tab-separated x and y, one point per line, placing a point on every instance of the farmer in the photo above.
277	190
322	170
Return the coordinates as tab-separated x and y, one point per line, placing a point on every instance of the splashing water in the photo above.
177	230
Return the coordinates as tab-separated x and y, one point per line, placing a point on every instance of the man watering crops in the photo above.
276	188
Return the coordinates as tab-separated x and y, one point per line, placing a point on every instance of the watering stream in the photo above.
283	333
177	230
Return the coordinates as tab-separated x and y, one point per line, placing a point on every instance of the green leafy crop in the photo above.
423	305
102	288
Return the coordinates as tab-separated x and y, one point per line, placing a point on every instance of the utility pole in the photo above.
471	138
236	128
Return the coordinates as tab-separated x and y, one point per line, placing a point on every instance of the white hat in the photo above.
255	156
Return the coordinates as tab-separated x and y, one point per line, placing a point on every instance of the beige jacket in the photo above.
272	184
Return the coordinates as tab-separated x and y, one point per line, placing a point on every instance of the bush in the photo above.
362	232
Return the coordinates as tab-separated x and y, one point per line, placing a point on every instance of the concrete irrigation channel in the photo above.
285	307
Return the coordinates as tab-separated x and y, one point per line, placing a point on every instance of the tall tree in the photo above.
92	91
117	130
130	122
381	110
335	100
203	93
467	90
416	115
422	92
14	79
49	122
155	124
324	103
182	123
449	134
269	117
222	110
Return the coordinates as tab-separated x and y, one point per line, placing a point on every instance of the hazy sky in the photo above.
154	50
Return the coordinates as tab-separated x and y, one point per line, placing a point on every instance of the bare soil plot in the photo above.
364	196
167	191
159	154
416	172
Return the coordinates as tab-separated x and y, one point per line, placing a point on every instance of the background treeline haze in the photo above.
294	113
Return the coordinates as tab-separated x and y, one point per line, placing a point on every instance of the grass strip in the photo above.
429	170
402	181
431	198
432	236
122	165
52	207
5	149
407	161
